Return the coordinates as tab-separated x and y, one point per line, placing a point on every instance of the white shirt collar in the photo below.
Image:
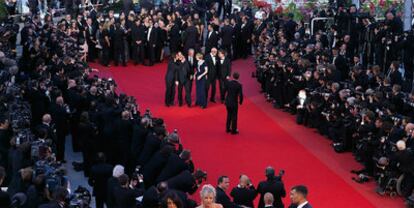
303	204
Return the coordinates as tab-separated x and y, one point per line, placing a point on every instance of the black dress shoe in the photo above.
228	131
213	101
235	132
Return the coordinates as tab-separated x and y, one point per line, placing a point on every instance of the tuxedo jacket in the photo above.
224	68
226	35
212	41
153	37
234	94
212	68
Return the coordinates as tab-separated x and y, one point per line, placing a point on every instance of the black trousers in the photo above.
138	54
119	54
187	88
151	50
60	146
222	84
169	93
231	124
105	58
211	84
100	201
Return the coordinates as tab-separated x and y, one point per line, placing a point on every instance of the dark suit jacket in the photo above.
227	32
153	168
276	188
183	72
184	182
171	75
224	200
244	196
224	69
234	94
295	206
52	204
4	199
211	41
61	118
152	144
212	68
125	197
99	175
112	185
153	37
174	166
190	37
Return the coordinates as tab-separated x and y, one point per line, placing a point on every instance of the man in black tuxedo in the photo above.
182	76
192	63
227	32
138	42
124	195
118	43
100	173
224	73
90	33
234	97
190	36
211	39
298	196
272	185
151	42
171	80
175	37
221	196
211	61
60	116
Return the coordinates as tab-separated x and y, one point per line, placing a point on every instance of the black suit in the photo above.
305	206
61	119
276	188
211	41
244	196
224	71
90	31
152	144
99	175
211	75
118	44
224	200
184	182
4	199
52	204
190	38
125	197
152	39
170	79
182	74
175	39
234	96
111	186
174	166
138	35
226	34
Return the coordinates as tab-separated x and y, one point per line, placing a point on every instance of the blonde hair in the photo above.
208	189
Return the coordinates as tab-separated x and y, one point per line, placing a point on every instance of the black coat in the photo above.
211	41
226	34
224	69
52	204
125	197
151	198
152	144
4	199
99	175
61	118
234	94
184	182
174	166
212	68
276	188
153	168
183	72
244	196
190	38
172	69
153	38
224	200
112	186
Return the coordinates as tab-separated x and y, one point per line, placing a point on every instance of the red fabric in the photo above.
267	137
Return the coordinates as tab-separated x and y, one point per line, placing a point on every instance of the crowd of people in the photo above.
352	81
129	157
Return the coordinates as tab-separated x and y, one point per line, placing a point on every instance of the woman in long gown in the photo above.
201	77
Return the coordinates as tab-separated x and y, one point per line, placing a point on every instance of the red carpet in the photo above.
267	137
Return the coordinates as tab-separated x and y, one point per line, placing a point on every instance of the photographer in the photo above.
274	185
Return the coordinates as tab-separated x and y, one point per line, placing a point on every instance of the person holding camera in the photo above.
274	185
244	193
